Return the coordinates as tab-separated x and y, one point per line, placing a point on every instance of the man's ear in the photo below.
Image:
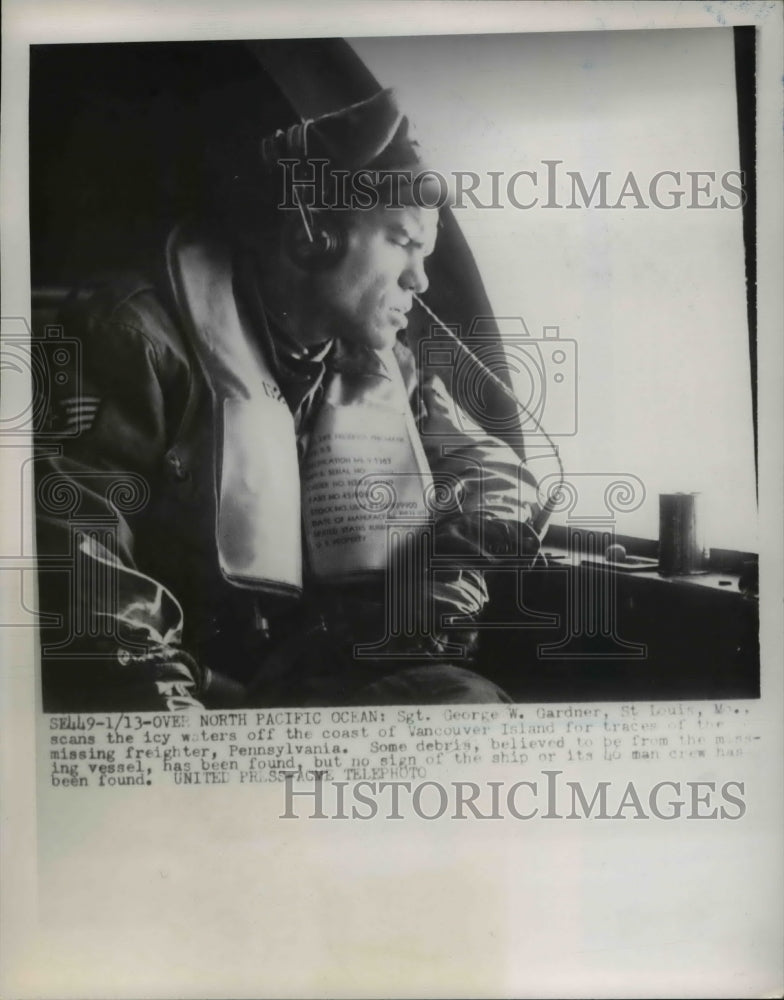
314	241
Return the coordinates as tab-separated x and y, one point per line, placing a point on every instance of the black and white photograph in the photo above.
389	433
333	419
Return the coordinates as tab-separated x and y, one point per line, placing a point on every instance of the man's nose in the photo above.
414	278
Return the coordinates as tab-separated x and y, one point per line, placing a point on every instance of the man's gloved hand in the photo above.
488	536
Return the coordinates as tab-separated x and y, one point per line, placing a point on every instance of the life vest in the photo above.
365	473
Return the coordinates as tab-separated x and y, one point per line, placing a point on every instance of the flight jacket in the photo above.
137	614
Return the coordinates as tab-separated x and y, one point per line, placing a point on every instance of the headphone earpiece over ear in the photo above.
317	245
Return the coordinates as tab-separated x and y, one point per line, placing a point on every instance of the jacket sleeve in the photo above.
488	495
100	452
488	482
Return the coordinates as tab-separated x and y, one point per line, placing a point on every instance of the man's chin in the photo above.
387	341
377	340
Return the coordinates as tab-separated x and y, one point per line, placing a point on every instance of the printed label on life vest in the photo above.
362	476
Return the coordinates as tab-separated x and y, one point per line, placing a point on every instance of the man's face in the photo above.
367	296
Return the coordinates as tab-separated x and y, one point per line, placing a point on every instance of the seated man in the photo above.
213	557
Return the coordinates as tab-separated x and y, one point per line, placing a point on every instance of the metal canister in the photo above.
681	548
